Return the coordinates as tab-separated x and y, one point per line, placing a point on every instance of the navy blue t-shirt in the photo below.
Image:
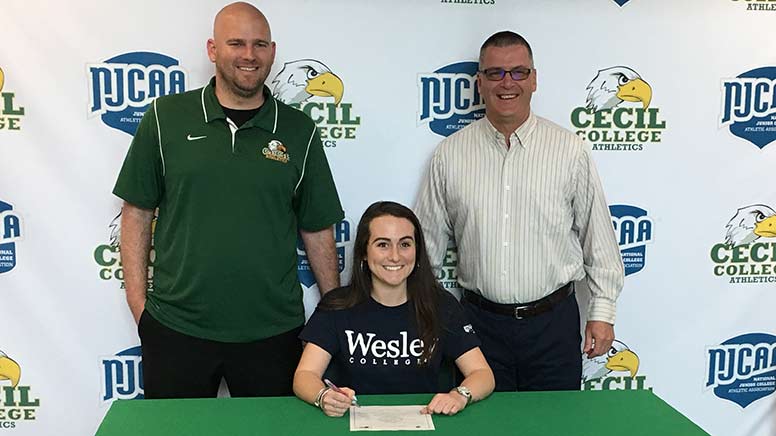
376	348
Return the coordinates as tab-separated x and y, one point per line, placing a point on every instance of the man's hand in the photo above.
448	404
598	338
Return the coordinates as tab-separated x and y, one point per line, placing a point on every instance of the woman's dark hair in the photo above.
423	290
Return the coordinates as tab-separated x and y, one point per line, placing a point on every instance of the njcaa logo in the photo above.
448	275
10	234
10	114
633	229
343	237
758	5
17	404
615	370
616	115
122	87
749	106
122	376
310	86
108	257
364	349
449	98
743	369
275	150
748	254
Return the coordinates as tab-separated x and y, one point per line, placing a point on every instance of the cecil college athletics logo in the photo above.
743	369
615	370
448	274
617	115
10	233
107	257
10	116
343	237
122	87
449	98
17	404
749	106
308	84
748	254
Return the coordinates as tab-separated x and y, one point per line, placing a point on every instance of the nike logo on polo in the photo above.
194	138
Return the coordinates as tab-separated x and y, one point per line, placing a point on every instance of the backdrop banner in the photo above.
687	167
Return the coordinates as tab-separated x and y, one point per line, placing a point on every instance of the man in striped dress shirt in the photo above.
522	199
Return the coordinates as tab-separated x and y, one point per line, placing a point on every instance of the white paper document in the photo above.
373	418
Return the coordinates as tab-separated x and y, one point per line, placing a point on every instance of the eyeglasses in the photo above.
496	74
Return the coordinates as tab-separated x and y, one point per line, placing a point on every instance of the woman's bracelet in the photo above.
319	398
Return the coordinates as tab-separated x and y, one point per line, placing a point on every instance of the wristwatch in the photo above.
463	390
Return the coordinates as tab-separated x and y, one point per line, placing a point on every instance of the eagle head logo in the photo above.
2	79
9	370
618	358
276	145
611	86
749	224
299	80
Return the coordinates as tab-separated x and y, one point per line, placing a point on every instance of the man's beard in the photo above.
239	90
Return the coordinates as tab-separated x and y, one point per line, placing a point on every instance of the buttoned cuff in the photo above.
602	309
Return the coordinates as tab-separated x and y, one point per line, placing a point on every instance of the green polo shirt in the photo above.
230	202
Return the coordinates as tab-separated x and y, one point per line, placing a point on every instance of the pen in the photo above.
353	402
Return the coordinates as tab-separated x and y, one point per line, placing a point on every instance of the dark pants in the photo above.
541	353
181	366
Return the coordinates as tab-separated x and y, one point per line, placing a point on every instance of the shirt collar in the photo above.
521	134
266	118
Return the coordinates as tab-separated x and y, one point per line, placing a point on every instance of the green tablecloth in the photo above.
594	413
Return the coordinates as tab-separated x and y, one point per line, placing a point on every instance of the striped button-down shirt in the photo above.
526	219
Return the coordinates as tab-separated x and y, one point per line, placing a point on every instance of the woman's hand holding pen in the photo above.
336	403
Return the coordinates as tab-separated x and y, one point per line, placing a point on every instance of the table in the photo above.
580	413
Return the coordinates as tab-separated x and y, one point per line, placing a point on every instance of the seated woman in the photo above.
392	327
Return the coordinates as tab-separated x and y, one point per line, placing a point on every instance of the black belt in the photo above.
520	311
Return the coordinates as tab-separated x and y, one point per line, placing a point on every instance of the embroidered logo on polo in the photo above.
757	5
616	370
312	87
10	114
122	376
122	87
343	237
107	255
749	106
369	350
275	150
10	234
617	115
742	369
449	98
633	229
748	253
17	403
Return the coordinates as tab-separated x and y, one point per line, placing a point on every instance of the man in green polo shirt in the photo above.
236	175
